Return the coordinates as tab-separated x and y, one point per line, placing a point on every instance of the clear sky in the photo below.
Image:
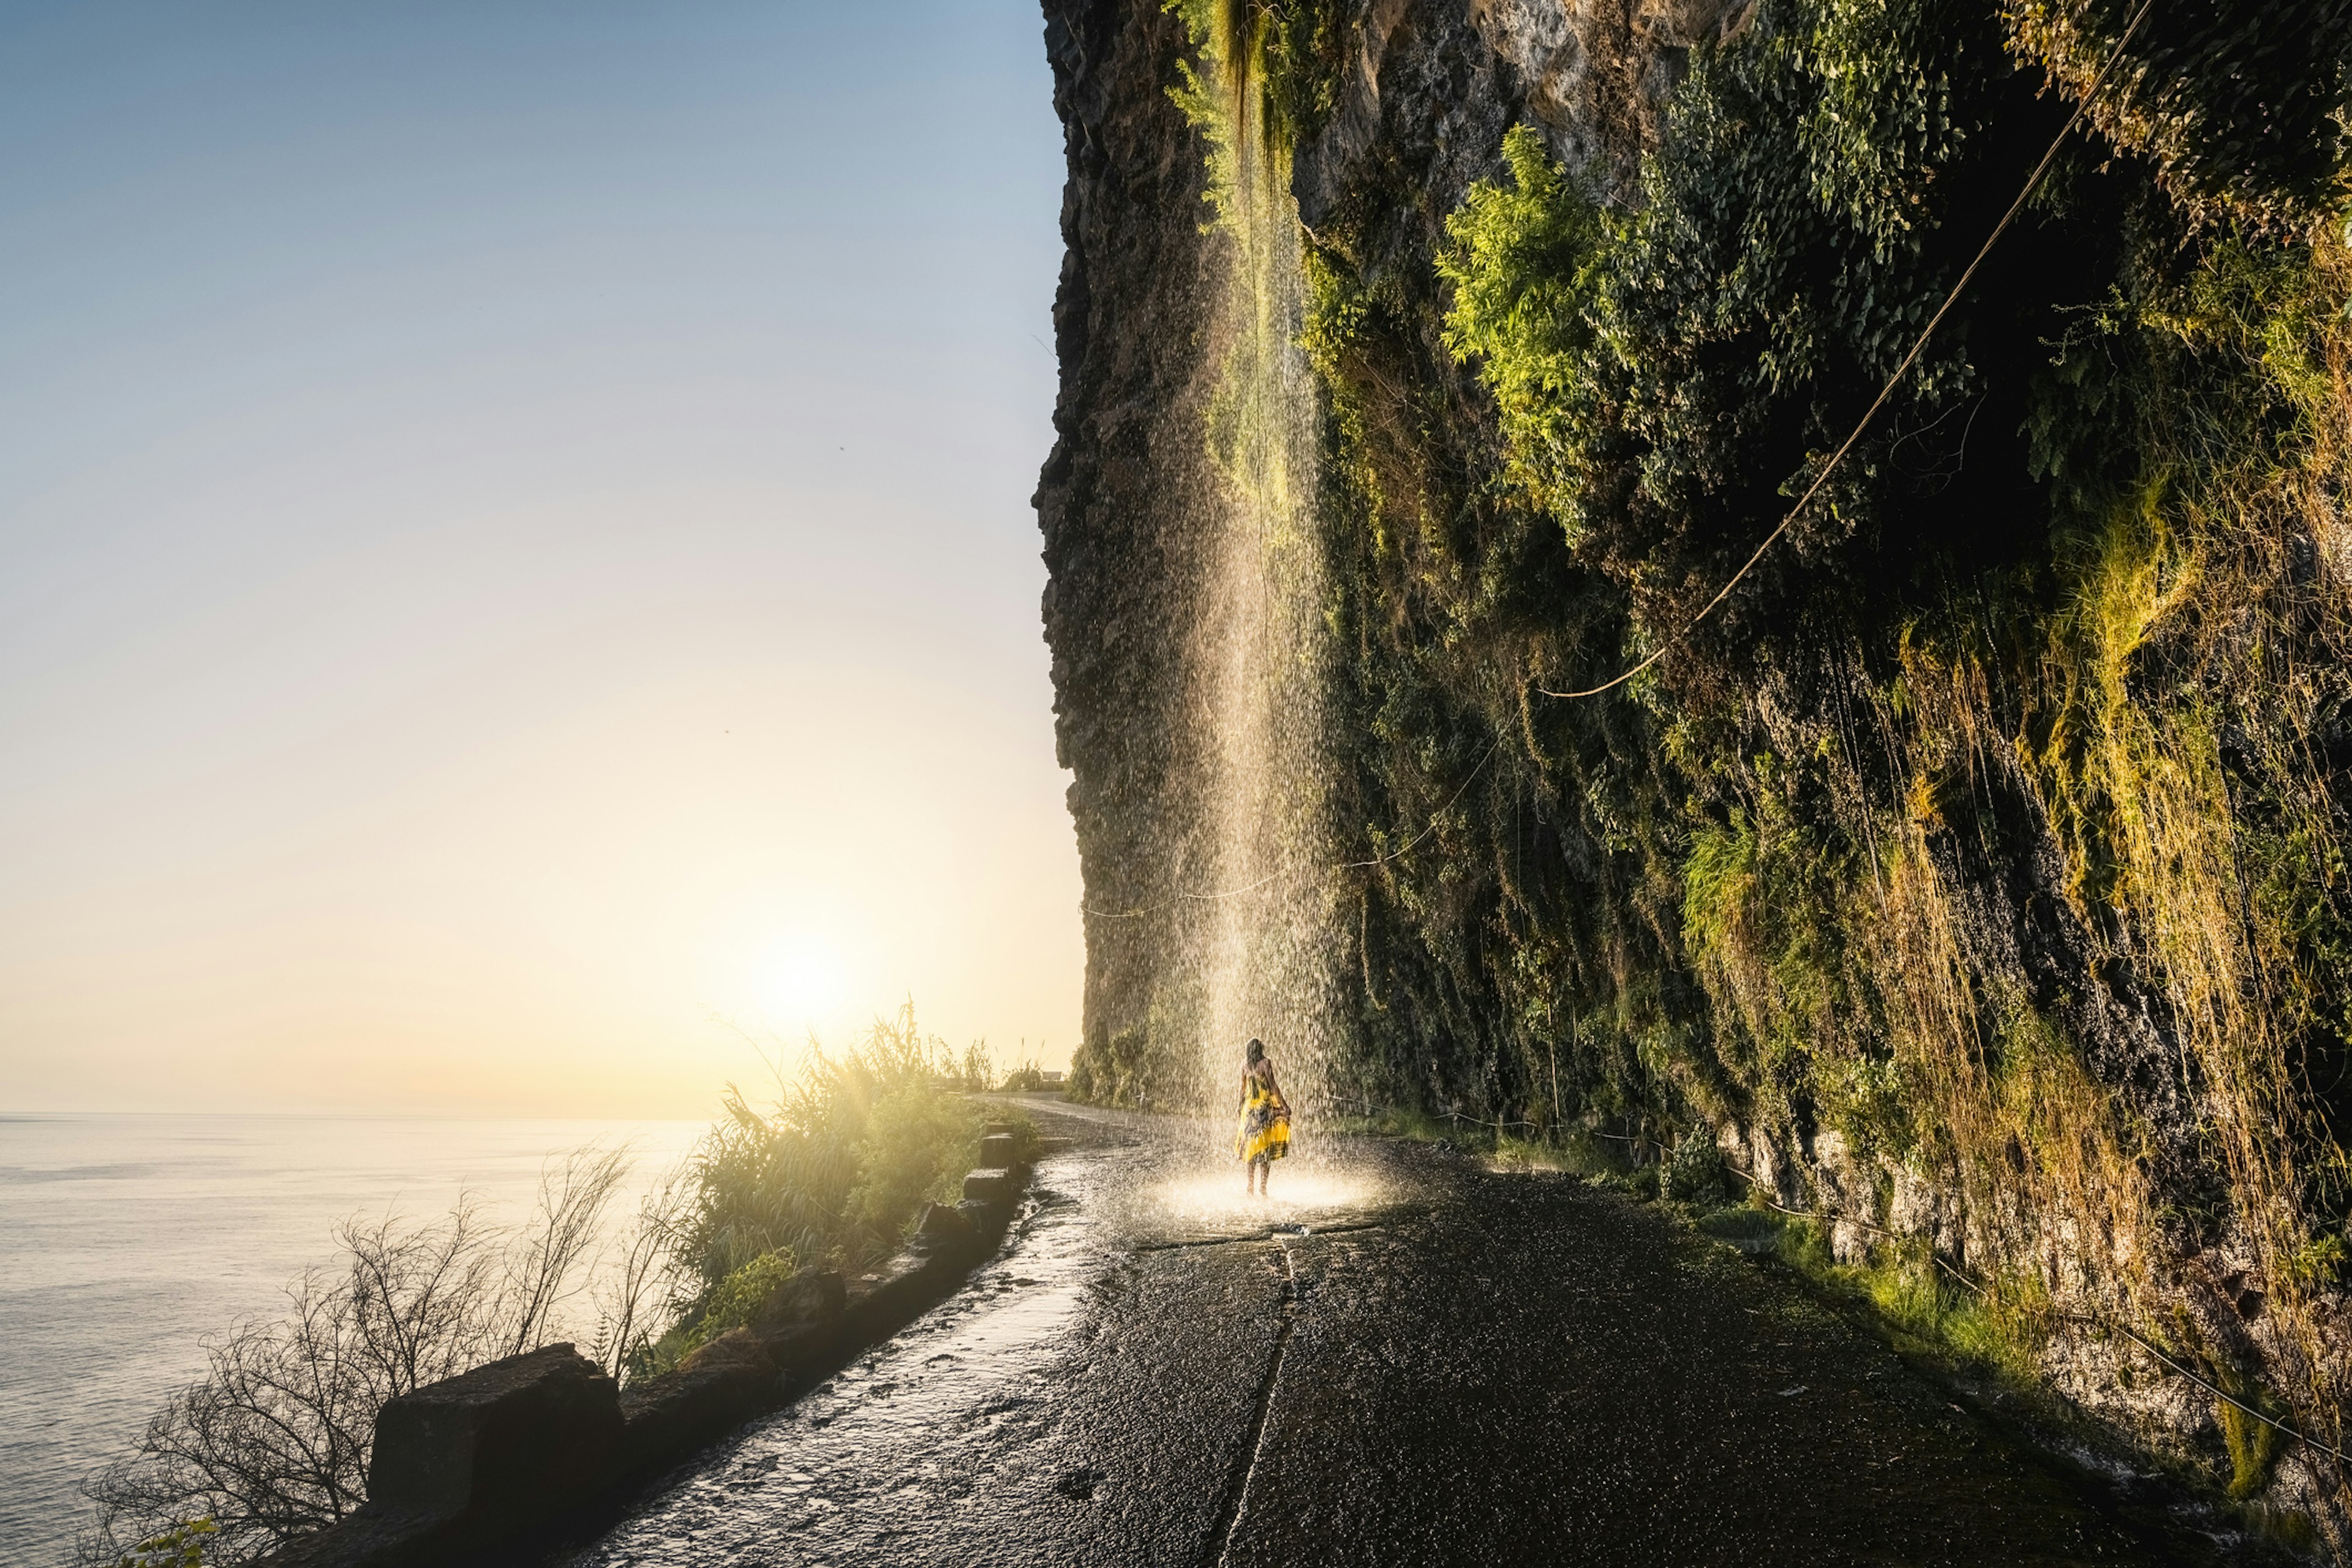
515	539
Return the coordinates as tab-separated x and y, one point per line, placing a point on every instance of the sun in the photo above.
798	979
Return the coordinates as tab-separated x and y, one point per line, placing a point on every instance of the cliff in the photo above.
1973	873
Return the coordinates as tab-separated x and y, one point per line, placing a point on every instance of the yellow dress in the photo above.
1265	1122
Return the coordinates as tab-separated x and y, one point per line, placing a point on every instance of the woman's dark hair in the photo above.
1256	1052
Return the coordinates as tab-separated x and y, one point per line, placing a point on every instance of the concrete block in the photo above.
896	1295
941	1229
811	1296
500	1448
715	1390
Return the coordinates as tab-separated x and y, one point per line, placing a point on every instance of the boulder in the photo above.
498	1448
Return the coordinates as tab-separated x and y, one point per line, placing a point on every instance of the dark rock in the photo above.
1000	1150
500	1448
739	1348
942	1228
811	1296
990	1185
721	1385
1079	1485
999	1130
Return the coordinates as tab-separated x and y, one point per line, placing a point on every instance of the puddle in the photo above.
914	1429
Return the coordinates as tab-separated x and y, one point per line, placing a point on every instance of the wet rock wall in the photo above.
1932	899
1114	502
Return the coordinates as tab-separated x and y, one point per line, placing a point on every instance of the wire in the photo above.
1724	592
1169	903
1892	382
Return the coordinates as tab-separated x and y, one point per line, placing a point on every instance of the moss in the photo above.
1994	822
1998	1331
2254	1444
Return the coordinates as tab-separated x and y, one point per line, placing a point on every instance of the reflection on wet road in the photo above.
1403	1359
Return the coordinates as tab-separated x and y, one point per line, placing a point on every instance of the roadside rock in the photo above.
811	1296
713	1391
943	1227
500	1446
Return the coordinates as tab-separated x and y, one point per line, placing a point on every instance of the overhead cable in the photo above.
1892	382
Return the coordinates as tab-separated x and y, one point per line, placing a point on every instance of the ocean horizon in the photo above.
131	1236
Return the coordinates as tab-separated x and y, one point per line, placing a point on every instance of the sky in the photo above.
517	575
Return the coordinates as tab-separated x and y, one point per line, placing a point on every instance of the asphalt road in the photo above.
1401	1359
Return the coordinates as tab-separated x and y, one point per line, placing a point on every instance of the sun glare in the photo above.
799	980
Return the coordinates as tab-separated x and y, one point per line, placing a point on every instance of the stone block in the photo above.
806	1353
987	1219
811	1296
1002	1151
739	1348
942	1229
990	1185
715	1390
500	1448
890	1299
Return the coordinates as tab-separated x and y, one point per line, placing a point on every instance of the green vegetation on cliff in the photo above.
1989	841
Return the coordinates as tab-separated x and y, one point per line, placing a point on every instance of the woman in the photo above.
1265	1136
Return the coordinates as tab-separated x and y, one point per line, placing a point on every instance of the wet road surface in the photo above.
1402	1360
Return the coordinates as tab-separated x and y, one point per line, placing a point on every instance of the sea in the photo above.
126	1240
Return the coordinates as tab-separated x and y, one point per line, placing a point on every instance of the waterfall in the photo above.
1260	654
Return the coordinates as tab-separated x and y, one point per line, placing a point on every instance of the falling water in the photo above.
1261	651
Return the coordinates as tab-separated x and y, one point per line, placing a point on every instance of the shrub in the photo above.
1694	1172
917	1145
182	1546
834	1171
734	1302
273	1441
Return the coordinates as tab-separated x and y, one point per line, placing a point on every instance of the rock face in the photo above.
1128	318
1428	88
1566	925
1598	73
1437	80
